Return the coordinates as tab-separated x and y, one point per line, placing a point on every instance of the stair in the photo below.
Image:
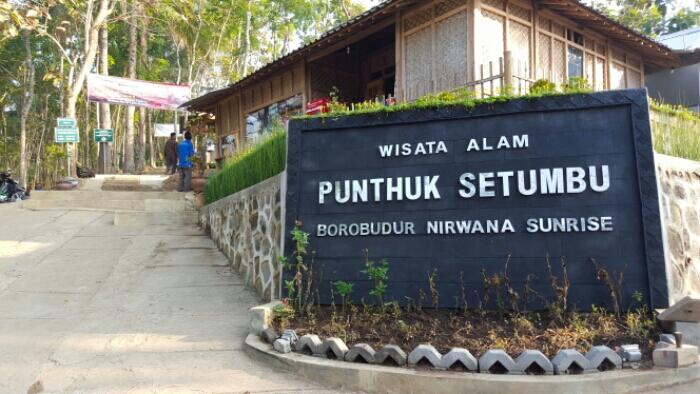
131	208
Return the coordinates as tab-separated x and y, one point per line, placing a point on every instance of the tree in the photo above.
27	100
129	166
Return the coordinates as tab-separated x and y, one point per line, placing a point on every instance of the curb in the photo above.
380	379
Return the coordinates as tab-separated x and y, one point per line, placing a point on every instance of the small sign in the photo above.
66	134
66	123
103	135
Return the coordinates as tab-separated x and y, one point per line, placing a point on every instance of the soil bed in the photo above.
476	330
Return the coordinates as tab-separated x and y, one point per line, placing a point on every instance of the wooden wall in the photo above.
232	111
445	43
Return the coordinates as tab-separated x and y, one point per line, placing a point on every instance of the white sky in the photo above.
676	3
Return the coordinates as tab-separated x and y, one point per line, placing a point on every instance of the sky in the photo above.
677	3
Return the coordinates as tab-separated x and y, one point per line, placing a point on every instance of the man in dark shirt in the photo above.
171	155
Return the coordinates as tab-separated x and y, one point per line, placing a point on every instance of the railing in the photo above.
493	77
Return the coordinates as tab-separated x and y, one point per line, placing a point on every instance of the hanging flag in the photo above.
125	91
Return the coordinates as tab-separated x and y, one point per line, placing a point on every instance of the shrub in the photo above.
543	86
255	164
676	131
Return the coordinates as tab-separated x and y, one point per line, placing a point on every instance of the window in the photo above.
265	119
575	59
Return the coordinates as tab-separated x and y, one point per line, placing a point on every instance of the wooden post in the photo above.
507	69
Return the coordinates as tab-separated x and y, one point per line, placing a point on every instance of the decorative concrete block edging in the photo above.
385	379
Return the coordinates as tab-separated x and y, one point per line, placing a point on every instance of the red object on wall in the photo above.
317	106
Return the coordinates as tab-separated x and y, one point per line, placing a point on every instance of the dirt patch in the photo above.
476	330
126	185
170	184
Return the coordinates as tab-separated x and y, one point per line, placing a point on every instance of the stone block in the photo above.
571	362
690	331
269	335
291	335
631	356
260	317
308	344
533	362
460	356
360	353
674	357
282	345
668	338
425	352
603	359
686	309
333	348
496	361
390	354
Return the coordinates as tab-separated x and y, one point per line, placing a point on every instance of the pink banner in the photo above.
115	90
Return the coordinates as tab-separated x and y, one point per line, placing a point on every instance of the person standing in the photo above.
171	154
185	153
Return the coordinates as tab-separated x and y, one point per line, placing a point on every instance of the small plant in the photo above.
344	290
576	85
557	308
613	282
378	274
543	87
434	294
283	312
299	288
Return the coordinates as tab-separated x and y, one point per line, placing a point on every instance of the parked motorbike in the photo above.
10	191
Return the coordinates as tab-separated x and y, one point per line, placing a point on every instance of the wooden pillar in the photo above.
507	69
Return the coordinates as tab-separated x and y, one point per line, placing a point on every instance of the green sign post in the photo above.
103	135
66	123
66	135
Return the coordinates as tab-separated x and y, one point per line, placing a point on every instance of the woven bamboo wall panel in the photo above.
446	6
600	48
451	52
617	76
418	63
558	62
235	115
419	18
634	62
634	79
544	58
558	29
588	69
322	81
519	45
599	83
544	23
500	4
617	55
492	27
519	12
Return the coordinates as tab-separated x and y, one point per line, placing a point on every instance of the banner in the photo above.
164	129
115	90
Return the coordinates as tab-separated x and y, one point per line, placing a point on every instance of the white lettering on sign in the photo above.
388	189
521	141
365	229
569	225
469	226
569	180
409	149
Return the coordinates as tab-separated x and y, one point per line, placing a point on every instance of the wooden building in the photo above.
408	48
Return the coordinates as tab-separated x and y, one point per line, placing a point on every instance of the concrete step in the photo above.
125	218
104	195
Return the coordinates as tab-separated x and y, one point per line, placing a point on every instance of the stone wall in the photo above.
679	192
247	227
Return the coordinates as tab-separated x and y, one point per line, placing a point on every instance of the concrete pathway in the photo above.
89	307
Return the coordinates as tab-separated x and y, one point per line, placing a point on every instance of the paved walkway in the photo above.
89	307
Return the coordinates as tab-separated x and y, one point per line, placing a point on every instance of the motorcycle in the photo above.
10	191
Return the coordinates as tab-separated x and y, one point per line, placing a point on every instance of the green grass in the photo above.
676	131
257	163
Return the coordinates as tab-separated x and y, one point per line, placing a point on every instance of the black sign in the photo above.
470	195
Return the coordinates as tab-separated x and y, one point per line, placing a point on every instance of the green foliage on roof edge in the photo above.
466	98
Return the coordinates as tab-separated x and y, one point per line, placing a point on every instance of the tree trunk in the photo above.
27	98
246	54
76	84
129	166
105	159
143	58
